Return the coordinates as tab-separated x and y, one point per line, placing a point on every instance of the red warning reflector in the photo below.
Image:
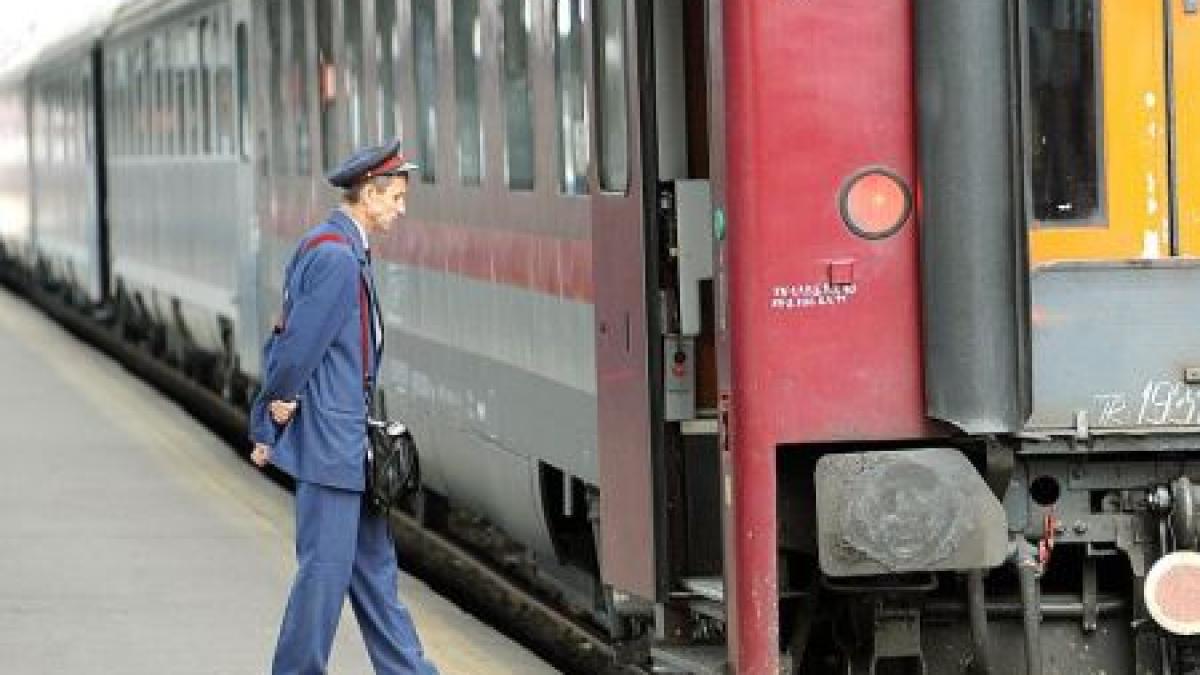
1172	592
875	203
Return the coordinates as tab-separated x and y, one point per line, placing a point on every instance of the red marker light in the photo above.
1172	592
875	203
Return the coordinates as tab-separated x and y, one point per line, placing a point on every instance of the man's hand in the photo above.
282	411
260	455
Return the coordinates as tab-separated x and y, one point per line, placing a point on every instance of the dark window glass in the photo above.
518	106
85	116
111	105
192	43
327	77
275	84
466	89
425	65
142	128
612	107
243	91
228	114
224	116
128	118
161	109
572	100
175	102
356	114
205	110
298	88
385	57
1065	146
182	99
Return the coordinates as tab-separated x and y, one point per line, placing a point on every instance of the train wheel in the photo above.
430	509
230	383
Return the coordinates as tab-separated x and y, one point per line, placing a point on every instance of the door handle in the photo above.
1191	6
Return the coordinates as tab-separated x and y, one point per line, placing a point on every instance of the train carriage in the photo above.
180	183
959	337
65	169
16	226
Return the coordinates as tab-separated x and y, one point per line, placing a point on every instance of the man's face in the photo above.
384	204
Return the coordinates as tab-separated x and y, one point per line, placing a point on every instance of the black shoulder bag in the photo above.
393	467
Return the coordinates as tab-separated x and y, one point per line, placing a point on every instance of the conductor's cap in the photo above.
370	162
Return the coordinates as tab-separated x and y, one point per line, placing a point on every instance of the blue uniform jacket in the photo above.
317	359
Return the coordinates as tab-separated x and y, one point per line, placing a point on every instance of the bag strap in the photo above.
363	327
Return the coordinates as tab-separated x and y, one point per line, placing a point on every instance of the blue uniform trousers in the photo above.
343	547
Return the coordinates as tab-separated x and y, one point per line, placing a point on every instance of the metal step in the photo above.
709	588
690	660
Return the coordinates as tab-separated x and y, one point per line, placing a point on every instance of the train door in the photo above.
655	334
1114	212
629	513
237	25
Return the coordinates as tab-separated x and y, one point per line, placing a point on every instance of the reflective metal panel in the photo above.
1113	344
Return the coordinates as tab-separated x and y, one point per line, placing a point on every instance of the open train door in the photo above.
622	281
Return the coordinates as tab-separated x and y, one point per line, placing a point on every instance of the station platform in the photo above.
134	541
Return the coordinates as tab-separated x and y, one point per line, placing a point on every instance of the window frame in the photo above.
1100	217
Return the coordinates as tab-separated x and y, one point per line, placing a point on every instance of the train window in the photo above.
170	102
158	108
112	91
204	40
572	99
275	85
191	95
1063	102
56	126
385	58
81	119
424	22
298	88
356	114
131	118
195	110
109	98
466	90
67	127
88	134
612	104
110	102
326	68
228	119
74	128
84	115
142	129
182	100
64	94
127	116
518	106
80	116
175	93
242	54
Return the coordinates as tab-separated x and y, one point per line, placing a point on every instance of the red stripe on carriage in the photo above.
541	262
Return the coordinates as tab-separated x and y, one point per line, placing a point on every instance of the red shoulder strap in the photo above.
329	237
321	239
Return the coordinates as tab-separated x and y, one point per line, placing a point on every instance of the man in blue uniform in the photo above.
310	421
